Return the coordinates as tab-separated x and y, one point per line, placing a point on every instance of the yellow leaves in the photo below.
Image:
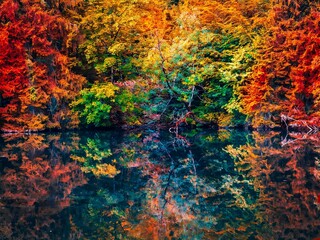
206	37
109	62
90	53
234	104
117	48
192	80
150	61
33	94
188	20
78	158
109	21
105	90
210	138
224	120
223	135
105	169
134	122
211	117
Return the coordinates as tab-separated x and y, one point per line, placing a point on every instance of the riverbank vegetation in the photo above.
68	64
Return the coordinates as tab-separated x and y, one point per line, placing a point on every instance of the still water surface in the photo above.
157	185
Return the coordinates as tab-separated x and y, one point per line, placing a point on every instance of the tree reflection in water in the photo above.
157	185
35	185
286	172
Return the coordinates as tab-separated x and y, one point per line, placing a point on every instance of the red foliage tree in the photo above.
36	81
285	82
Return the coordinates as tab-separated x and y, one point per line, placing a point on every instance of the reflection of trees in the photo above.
287	173
193	192
105	200
35	185
169	191
218	186
95	154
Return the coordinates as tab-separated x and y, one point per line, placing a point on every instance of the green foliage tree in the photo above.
105	104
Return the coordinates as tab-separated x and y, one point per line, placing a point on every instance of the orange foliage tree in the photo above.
36	83
284	84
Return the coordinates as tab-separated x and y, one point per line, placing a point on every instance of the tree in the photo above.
284	82
105	104
110	37
201	60
37	83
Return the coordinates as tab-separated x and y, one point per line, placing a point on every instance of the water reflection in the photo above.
157	185
35	185
286	173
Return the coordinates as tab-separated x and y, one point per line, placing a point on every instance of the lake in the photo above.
154	184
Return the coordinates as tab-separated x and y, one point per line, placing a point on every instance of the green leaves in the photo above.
99	104
94	104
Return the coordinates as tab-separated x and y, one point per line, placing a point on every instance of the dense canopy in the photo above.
78	63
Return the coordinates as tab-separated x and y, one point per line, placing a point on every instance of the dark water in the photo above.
157	185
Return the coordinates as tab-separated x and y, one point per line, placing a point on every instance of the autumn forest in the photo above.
163	119
68	64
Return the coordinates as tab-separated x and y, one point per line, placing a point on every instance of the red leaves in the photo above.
291	59
8	10
31	65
